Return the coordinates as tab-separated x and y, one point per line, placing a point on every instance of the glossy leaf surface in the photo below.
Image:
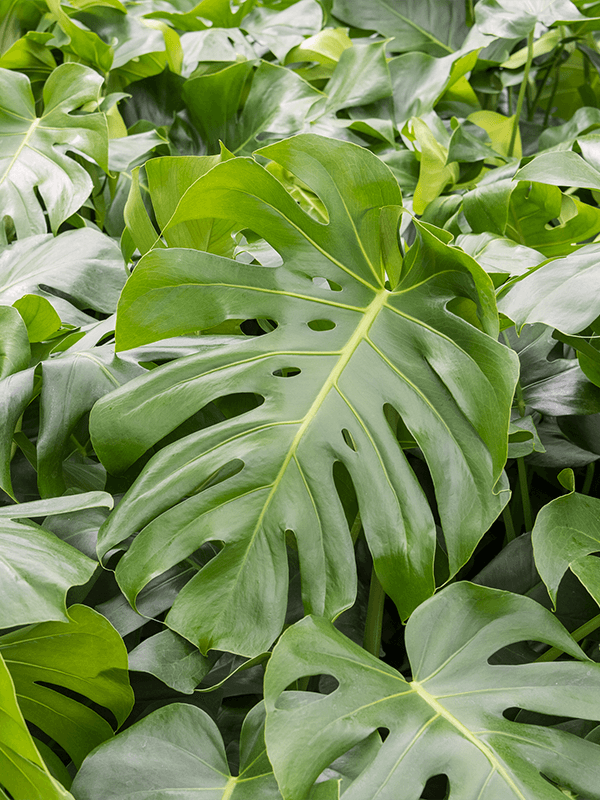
84	655
449	718
33	149
399	346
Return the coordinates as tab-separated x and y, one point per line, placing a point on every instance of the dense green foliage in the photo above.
300	400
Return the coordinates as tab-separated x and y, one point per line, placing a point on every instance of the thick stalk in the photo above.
508	524
589	477
589	627
372	640
521	97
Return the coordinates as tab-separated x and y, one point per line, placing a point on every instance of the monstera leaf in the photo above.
449	719
22	770
178	752
349	346
84	655
33	153
565	534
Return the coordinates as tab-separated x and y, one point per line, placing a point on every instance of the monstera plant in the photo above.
300	400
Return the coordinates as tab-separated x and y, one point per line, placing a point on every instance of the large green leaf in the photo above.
541	216
71	383
178	752
565	534
551	384
37	569
449	718
351	351
84	264
22	770
33	153
276	105
436	26
84	655
14	342
563	293
515	19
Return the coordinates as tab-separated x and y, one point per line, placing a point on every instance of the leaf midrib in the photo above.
360	334
26	138
495	762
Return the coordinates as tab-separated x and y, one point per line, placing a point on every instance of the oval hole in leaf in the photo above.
325	283
436	788
321	325
257	327
384	733
349	439
286	372
346	492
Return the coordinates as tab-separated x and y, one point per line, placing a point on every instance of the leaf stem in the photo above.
589	477
527	514
508	523
554	62
552	94
372	640
521	97
588	627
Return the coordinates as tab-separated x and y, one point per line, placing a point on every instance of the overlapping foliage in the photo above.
300	390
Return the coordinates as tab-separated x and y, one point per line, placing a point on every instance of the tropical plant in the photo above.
300	391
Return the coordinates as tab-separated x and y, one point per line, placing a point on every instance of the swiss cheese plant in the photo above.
300	400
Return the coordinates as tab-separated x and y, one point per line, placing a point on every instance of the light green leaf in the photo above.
71	383
277	105
37	570
15	395
449	718
564	168
123	152
420	80
177	751
281	29
434	174
172	660
39	316
84	655
214	44
565	534
83	264
486	207
437	26
563	292
22	769
33	150
542	217
514	19
85	44
582	120
554	386
278	457
57	505
168	179
499	129
219	13
14	342
499	255
361	76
